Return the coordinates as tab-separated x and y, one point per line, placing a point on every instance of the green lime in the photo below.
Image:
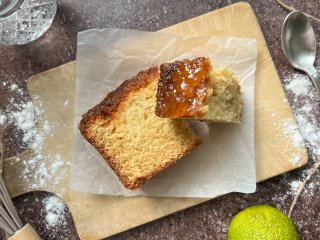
262	222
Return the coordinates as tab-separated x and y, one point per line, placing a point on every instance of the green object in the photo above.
262	222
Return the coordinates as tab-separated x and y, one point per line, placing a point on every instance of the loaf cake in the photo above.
192	89
135	142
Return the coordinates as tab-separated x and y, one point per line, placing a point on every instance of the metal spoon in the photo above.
299	44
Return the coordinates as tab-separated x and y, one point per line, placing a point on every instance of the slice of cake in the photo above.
191	89
132	139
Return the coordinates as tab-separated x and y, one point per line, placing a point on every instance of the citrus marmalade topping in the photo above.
183	88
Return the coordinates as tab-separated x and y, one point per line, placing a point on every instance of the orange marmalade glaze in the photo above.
183	88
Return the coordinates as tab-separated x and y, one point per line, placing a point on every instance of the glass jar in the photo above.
22	21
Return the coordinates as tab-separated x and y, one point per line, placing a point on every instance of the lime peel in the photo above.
262	222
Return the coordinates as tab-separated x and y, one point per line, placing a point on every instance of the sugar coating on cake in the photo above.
183	88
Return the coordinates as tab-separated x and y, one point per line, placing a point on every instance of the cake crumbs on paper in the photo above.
54	211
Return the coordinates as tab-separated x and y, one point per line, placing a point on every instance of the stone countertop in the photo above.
209	220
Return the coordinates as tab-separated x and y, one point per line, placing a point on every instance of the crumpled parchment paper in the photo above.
223	163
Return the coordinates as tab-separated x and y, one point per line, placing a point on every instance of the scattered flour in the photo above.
66	102
299	85
25	120
47	128
41	172
306	112
39	168
295	160
3	119
305	101
291	130
295	185
56	165
13	86
54	211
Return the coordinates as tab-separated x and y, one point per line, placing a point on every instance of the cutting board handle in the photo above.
25	233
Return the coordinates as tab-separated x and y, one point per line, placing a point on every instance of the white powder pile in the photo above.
306	111
54	211
299	84
295	185
25	119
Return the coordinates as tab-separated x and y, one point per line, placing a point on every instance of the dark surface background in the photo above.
209	220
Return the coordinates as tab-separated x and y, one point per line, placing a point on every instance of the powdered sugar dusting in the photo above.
13	86
295	160
3	119
54	211
291	130
30	119
295	185
306	109
300	86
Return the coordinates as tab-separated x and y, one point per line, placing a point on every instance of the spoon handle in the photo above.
315	76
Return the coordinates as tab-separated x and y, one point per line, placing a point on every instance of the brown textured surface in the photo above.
206	221
106	111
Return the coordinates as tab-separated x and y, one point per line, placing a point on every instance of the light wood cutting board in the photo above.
98	216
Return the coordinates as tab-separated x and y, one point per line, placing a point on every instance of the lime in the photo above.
262	222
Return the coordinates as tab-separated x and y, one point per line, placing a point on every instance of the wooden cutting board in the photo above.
98	216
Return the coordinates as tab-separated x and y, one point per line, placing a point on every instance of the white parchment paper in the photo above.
225	160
